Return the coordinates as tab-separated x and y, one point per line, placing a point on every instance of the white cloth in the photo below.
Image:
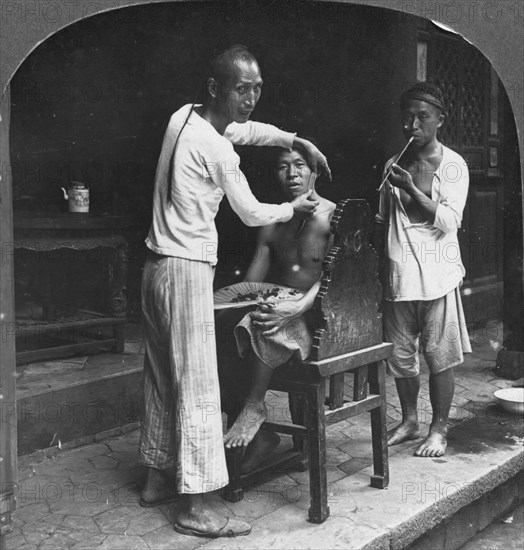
423	259
437	326
205	168
276	349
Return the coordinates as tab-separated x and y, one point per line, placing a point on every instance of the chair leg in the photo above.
298	409
119	335
336	391
319	510
234	492
379	435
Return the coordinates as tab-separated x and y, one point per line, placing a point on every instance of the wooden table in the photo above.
43	234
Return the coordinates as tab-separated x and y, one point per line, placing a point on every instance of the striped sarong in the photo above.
182	425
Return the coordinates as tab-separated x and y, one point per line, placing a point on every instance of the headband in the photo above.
423	96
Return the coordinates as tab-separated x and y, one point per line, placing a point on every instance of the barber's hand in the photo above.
316	159
270	316
401	178
304	205
311	181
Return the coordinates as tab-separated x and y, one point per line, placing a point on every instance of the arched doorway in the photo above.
32	27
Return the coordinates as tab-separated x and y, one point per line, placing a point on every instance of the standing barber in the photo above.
181	436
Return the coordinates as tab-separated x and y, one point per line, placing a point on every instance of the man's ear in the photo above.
441	119
212	87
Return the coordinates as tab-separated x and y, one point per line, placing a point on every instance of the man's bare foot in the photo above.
263	444
434	445
405	431
200	520
247	424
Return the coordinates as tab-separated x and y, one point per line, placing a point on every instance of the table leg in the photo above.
48	302
118	298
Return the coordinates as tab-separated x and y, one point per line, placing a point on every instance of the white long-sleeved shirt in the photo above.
424	261
205	168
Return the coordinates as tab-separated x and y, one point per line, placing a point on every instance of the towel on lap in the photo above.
277	348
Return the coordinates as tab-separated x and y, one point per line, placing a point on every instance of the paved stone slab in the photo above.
88	497
80	523
123	542
90	451
118	519
17	541
166	538
57	540
286	528
104	462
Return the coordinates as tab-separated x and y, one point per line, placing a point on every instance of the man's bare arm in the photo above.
402	179
258	133
259	267
271	316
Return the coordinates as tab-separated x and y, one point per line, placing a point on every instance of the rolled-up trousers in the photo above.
182	425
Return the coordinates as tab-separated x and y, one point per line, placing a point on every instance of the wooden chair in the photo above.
348	339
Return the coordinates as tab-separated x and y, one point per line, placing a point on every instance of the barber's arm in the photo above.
227	175
258	133
261	134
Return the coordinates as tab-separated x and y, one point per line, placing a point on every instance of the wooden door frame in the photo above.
492	27
8	445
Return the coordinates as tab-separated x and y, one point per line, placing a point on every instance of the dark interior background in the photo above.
92	102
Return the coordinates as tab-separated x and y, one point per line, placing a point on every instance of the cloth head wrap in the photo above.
424	91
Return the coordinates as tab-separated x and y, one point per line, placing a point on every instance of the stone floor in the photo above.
87	497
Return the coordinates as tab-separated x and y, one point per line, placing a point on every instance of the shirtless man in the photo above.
419	215
288	254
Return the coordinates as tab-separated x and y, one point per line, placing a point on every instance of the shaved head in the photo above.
233	87
222	67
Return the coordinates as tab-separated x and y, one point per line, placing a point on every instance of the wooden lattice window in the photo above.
445	76
472	128
473	98
465	78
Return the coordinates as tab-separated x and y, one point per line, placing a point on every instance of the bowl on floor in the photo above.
511	399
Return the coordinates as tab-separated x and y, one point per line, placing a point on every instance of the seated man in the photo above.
288	254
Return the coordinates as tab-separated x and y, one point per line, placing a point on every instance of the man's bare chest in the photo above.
422	174
299	245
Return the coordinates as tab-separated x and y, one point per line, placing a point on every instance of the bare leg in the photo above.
254	413
158	489
441	389
408	394
196	517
